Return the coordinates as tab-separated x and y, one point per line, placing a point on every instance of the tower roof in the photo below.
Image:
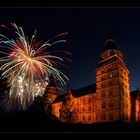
110	43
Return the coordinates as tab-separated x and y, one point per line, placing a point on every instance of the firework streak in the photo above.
27	64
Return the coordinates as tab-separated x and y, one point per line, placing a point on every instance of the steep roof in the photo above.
78	92
59	98
85	90
135	93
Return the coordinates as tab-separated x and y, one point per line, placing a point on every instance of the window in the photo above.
122	93
126	105
83	108
77	103
123	105
89	108
96	117
77	118
74	110
110	83
110	93
103	94
77	109
103	105
110	105
102	71
109	68
104	117
89	100
110	116
103	85
89	117
83	100
93	107
116	73
110	75
83	117
102	78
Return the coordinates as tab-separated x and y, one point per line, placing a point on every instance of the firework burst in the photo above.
27	64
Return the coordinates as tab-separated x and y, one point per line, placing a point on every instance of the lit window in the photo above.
110	75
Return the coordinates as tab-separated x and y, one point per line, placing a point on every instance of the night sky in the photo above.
88	28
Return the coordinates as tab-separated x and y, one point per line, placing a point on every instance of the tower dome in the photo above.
110	43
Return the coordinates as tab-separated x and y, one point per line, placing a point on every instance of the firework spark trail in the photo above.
27	64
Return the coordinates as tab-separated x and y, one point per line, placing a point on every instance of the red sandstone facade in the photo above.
109	99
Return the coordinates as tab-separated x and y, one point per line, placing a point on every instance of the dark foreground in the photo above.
36	120
30	122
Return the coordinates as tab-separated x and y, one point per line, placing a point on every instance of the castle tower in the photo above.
112	81
50	94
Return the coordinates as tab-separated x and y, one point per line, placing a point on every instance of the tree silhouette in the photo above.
65	113
3	86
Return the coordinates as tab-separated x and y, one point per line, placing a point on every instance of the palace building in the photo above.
109	99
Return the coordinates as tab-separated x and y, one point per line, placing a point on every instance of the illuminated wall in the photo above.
113	94
111	101
55	109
